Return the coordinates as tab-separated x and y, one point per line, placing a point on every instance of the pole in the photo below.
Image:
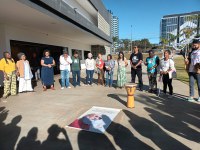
131	40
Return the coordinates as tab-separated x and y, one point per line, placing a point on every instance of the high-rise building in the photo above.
174	27
114	30
31	26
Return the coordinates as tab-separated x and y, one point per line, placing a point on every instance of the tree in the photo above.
115	41
126	43
164	42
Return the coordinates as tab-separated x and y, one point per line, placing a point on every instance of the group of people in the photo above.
22	71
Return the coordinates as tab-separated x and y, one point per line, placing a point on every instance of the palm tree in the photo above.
115	40
164	42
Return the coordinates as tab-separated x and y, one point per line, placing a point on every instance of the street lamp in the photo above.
131	40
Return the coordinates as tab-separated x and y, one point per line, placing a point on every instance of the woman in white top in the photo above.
166	70
90	64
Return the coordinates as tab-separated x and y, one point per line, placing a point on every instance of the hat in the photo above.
65	52
19	55
196	41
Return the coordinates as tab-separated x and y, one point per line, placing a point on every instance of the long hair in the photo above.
4	56
119	55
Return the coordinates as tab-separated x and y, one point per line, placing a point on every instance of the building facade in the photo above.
180	28
31	26
114	30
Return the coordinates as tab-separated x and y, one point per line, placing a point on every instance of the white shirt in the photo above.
195	58
166	65
65	64
90	64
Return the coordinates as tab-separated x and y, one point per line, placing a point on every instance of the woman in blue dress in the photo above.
47	72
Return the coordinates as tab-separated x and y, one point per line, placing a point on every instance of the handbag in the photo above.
173	72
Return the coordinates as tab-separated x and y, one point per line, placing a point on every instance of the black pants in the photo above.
167	82
137	72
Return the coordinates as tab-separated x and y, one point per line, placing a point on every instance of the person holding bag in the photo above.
193	62
166	70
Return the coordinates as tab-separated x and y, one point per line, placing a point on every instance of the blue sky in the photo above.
145	15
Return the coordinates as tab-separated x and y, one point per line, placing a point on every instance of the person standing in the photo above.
152	62
76	67
90	64
35	66
47	71
109	65
65	61
136	59
193	63
166	69
7	65
100	70
121	71
24	73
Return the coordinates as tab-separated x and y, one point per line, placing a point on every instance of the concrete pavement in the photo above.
154	123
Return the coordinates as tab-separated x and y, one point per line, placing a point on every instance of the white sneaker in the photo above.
198	99
69	87
62	88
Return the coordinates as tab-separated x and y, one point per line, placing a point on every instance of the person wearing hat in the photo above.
7	65
65	61
24	73
90	65
193	63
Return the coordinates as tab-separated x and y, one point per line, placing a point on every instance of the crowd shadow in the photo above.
9	133
169	124
53	142
152	131
123	137
181	113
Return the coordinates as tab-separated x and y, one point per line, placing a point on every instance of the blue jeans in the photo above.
76	74
89	77
64	78
109	78
192	77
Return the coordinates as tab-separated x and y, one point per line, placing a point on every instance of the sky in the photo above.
145	15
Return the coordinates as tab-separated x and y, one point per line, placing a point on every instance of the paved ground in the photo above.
154	123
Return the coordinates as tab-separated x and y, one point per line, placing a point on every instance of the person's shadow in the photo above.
95	140
29	142
10	133
180	128
123	137
53	142
152	131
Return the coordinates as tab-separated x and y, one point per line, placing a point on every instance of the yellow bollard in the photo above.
130	89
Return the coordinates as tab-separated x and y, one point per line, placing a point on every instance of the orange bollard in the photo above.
130	89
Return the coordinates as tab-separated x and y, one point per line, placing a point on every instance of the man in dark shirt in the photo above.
136	66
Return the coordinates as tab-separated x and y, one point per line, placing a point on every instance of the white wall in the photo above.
8	32
2	48
73	4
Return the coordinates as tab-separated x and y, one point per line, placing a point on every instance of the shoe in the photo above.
170	96
69	87
190	99
198	99
52	88
141	90
62	88
150	91
44	88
